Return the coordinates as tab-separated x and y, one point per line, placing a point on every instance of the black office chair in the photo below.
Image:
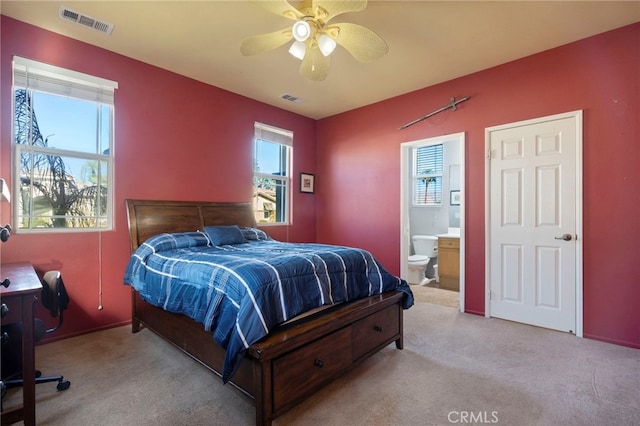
53	297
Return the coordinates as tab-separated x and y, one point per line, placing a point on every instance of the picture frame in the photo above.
454	198
307	183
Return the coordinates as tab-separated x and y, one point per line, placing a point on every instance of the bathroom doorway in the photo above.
436	210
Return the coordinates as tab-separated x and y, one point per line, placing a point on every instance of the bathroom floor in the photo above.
437	296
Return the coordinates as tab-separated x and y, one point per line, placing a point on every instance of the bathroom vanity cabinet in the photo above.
449	263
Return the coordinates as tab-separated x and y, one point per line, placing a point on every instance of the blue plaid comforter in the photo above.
242	291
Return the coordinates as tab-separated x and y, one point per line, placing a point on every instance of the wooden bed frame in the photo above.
294	360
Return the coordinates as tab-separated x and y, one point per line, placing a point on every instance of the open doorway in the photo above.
432	206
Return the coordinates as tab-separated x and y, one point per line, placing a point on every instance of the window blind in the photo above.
47	78
428	175
273	134
429	160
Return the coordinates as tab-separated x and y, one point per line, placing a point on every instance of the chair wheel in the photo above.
63	385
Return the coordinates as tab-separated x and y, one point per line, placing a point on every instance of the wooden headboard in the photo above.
151	217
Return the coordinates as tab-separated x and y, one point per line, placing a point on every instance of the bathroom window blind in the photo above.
427	172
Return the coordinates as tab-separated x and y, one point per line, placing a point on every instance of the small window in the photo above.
427	175
63	134
271	174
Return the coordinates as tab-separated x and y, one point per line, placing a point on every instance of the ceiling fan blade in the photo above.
326	10
361	42
315	66
264	42
280	8
329	9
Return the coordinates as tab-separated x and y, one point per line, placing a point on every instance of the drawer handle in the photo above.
377	328
5	337
5	283
318	363
4	310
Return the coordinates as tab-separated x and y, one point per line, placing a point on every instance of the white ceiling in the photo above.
429	42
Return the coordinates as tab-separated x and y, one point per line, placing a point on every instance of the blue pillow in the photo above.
163	242
254	234
223	235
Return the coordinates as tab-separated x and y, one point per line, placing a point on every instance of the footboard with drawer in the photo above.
295	360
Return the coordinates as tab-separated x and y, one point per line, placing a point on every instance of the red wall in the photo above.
180	139
175	138
358	165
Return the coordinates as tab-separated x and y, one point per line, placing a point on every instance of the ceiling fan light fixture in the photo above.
298	49
314	38
301	30
326	44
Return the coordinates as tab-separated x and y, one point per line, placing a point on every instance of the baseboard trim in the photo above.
56	337
612	341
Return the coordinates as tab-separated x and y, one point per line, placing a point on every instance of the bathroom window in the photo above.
427	175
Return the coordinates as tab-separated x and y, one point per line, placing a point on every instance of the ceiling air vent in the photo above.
87	21
291	98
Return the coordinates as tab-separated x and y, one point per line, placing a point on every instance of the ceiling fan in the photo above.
315	38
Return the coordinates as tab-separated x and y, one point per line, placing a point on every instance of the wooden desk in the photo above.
20	298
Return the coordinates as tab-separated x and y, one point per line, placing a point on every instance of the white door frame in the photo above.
405	149
577	115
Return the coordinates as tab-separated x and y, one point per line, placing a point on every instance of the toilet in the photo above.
426	254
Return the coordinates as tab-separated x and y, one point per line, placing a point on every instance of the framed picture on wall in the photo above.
306	182
454	198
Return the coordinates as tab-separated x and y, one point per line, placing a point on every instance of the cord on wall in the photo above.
99	271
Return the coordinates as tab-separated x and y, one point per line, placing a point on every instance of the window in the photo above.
271	174
427	175
63	134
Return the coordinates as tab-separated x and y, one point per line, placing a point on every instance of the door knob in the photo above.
565	237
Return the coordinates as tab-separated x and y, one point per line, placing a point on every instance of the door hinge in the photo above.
491	154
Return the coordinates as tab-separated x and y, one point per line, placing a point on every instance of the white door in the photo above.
534	197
